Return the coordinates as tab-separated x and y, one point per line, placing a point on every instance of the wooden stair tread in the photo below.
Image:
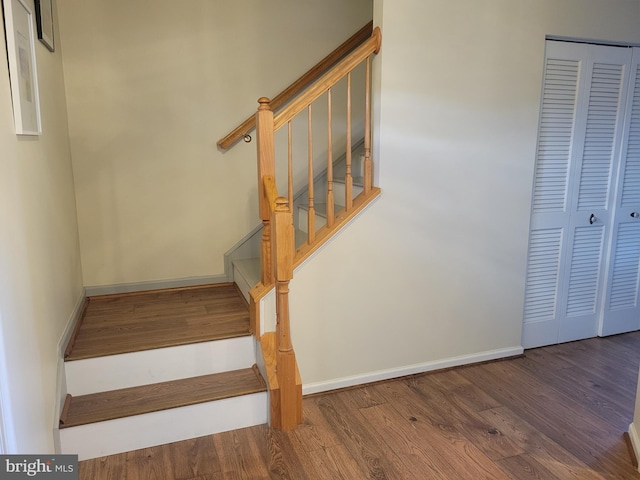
115	324
99	407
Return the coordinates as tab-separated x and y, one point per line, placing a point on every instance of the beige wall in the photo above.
434	271
151	87
40	274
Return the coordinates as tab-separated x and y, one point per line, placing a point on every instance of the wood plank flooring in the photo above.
559	412
132	322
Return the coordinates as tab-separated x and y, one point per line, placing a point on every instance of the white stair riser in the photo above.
157	428
321	219
303	218
339	193
114	372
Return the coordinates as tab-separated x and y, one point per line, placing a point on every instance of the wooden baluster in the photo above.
290	167
266	166
348	178
368	167
330	200
290	397
311	217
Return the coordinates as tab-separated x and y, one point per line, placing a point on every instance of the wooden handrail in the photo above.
355	58
296	87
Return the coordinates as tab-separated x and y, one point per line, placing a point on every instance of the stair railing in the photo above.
300	84
278	253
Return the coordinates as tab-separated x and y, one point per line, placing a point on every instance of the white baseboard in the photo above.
61	383
7	431
635	442
318	387
154	285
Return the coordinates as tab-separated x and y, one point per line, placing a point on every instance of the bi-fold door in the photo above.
584	245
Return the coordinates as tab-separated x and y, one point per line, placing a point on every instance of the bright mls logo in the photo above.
51	467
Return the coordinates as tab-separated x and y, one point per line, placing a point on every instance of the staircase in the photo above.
244	258
150	368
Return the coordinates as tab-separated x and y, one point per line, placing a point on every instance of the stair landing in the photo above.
132	322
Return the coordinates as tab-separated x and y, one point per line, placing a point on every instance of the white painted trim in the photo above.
592	41
241	249
246	274
61	384
262	368
154	285
351	381
58	405
7	433
635	442
2	441
157	428
71	323
113	372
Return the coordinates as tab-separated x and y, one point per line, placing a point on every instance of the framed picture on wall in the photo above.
21	52
44	22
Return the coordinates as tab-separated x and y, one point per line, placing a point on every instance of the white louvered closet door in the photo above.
622	305
578	152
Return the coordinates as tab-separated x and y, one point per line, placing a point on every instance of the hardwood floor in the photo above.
558	412
132	322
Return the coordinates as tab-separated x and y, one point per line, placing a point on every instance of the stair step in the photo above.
321	215
246	271
355	181
339	193
357	166
100	407
116	324
130	419
321	208
114	372
155	367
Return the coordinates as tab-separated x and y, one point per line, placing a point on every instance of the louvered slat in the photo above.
597	159
626	263
585	270
542	274
554	138
631	179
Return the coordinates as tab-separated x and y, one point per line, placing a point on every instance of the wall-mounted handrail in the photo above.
300	84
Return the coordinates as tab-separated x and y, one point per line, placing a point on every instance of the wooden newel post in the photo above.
266	166
283	246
